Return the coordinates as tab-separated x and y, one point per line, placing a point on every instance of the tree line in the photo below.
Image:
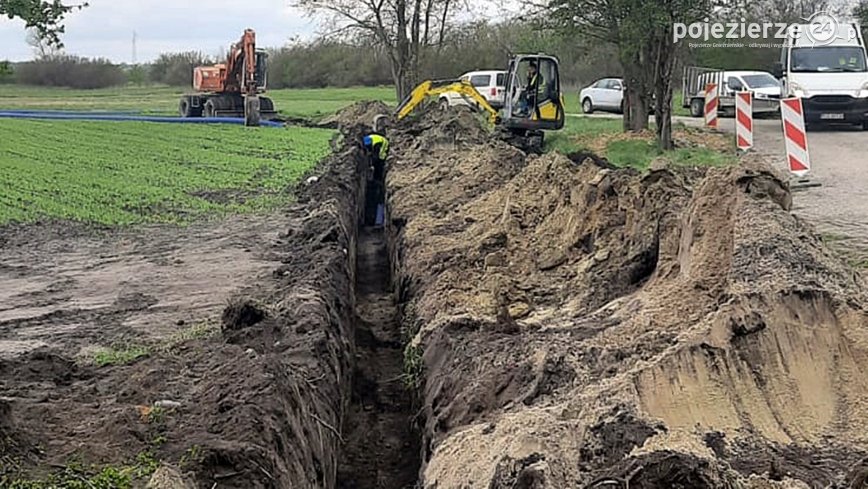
343	62
406	41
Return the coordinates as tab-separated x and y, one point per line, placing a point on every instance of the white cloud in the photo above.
105	28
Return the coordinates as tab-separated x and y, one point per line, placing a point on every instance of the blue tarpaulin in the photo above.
124	117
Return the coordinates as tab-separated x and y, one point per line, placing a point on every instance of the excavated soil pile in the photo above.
582	326
360	113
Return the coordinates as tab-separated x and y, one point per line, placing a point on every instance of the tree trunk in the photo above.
635	106
665	64
636	93
401	60
627	102
399	85
639	116
442	33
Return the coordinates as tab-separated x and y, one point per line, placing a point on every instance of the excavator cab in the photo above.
534	101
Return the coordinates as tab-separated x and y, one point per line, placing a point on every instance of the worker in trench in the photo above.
377	150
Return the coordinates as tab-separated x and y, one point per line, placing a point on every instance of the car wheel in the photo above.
587	106
865	125
697	107
444	104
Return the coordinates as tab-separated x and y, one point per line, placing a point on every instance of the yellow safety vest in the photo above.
384	145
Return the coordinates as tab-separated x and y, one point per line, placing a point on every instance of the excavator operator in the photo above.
530	94
377	149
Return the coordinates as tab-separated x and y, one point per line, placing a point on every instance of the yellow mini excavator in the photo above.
534	101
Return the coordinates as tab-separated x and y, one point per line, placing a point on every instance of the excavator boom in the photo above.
431	88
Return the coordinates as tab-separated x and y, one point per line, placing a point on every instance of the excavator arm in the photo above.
248	47
240	73
430	88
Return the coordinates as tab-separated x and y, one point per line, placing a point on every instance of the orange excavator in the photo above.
233	88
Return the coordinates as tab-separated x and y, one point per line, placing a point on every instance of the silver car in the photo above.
606	94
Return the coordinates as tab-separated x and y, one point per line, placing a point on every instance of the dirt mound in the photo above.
358	114
578	323
432	127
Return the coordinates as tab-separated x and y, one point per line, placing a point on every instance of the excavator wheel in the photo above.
186	108
266	105
252	111
209	109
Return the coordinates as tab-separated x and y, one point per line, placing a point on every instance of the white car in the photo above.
605	94
491	84
761	83
765	88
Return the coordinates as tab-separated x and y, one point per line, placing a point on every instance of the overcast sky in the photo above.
105	28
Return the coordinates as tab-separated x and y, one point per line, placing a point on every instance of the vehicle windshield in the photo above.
763	80
827	59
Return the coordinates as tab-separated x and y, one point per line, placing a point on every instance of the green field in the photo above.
313	102
579	131
129	172
132	172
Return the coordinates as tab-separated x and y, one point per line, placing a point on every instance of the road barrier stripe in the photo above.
711	105
795	137
744	120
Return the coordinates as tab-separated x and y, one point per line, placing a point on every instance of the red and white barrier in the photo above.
744	120
711	103
793	119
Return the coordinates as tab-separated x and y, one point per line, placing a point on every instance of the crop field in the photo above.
164	100
132	172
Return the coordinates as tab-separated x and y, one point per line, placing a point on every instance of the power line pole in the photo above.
135	60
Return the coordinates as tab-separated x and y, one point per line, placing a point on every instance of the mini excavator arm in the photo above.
430	88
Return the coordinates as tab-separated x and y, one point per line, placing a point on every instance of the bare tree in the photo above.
403	28
42	47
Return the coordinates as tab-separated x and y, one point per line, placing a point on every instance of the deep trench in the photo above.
381	447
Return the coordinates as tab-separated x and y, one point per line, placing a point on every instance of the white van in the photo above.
491	84
830	76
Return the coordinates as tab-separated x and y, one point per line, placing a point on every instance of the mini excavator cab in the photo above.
534	101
